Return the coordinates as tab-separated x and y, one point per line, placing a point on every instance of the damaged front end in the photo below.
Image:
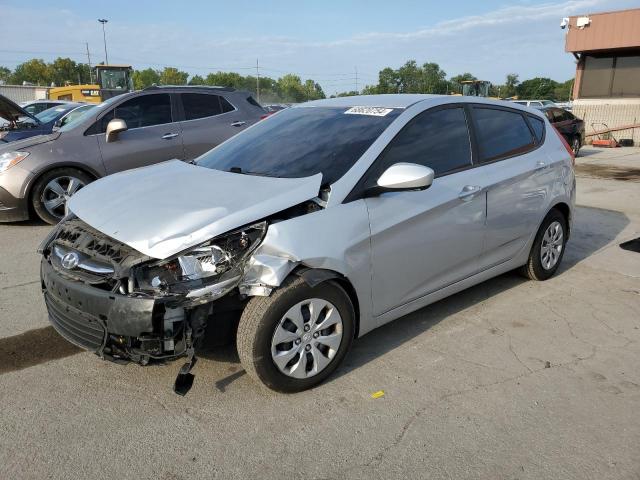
106	297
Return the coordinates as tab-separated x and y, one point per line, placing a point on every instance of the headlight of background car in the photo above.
9	159
218	261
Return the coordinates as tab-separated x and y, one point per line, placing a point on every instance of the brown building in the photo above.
607	86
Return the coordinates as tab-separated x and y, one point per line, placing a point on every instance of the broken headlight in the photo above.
208	269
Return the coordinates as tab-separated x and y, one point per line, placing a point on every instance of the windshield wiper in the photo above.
247	172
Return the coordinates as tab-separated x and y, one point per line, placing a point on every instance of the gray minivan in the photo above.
39	174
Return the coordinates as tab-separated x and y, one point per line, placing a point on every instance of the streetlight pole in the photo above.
104	37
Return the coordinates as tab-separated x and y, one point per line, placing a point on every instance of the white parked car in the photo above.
310	229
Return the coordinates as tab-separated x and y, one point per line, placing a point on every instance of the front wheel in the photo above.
548	247
295	338
52	191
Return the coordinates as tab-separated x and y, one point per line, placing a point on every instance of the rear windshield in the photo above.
300	142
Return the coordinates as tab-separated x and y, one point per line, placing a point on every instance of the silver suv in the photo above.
128	131
311	228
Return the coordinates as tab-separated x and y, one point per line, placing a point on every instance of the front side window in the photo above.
300	142
438	139
501	133
142	111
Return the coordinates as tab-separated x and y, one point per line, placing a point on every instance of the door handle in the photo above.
168	136
468	192
239	123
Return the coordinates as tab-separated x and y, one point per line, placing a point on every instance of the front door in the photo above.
152	136
422	241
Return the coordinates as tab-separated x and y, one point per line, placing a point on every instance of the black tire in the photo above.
533	269
262	315
39	187
575	145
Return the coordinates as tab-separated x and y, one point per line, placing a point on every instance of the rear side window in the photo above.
438	139
501	133
226	106
142	111
253	102
198	105
538	128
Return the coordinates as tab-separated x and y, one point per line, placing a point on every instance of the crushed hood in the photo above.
166	208
11	111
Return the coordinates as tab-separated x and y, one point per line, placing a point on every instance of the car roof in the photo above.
394	100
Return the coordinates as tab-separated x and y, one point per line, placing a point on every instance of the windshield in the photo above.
50	114
69	124
74	115
112	79
300	142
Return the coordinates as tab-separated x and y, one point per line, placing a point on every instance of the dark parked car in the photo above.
570	126
131	130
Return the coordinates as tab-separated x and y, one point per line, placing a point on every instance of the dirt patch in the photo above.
610	172
33	348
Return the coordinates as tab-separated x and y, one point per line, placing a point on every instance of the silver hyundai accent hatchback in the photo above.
307	230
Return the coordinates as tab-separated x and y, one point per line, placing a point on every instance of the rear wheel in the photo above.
548	247
295	338
52	191
575	145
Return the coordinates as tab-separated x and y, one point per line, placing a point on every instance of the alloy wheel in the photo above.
57	192
552	245
307	338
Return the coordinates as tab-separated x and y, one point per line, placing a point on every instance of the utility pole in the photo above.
89	63
357	91
104	37
257	80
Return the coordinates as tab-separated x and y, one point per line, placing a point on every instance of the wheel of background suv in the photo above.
53	189
548	247
575	145
295	338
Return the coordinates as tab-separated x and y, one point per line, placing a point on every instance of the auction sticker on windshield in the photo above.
375	111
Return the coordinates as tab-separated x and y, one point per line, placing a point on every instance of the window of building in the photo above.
606	77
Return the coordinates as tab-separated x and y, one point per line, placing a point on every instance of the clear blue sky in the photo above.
325	40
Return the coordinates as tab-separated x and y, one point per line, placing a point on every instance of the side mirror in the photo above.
114	127
406	176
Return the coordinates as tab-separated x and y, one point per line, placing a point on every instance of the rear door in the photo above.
517	175
152	135
422	241
209	119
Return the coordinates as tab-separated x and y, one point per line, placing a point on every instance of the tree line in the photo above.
409	78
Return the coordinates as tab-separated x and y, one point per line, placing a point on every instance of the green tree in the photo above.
145	78
5	74
173	76
562	92
536	88
34	71
455	83
224	79
510	86
196	80
65	71
291	89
